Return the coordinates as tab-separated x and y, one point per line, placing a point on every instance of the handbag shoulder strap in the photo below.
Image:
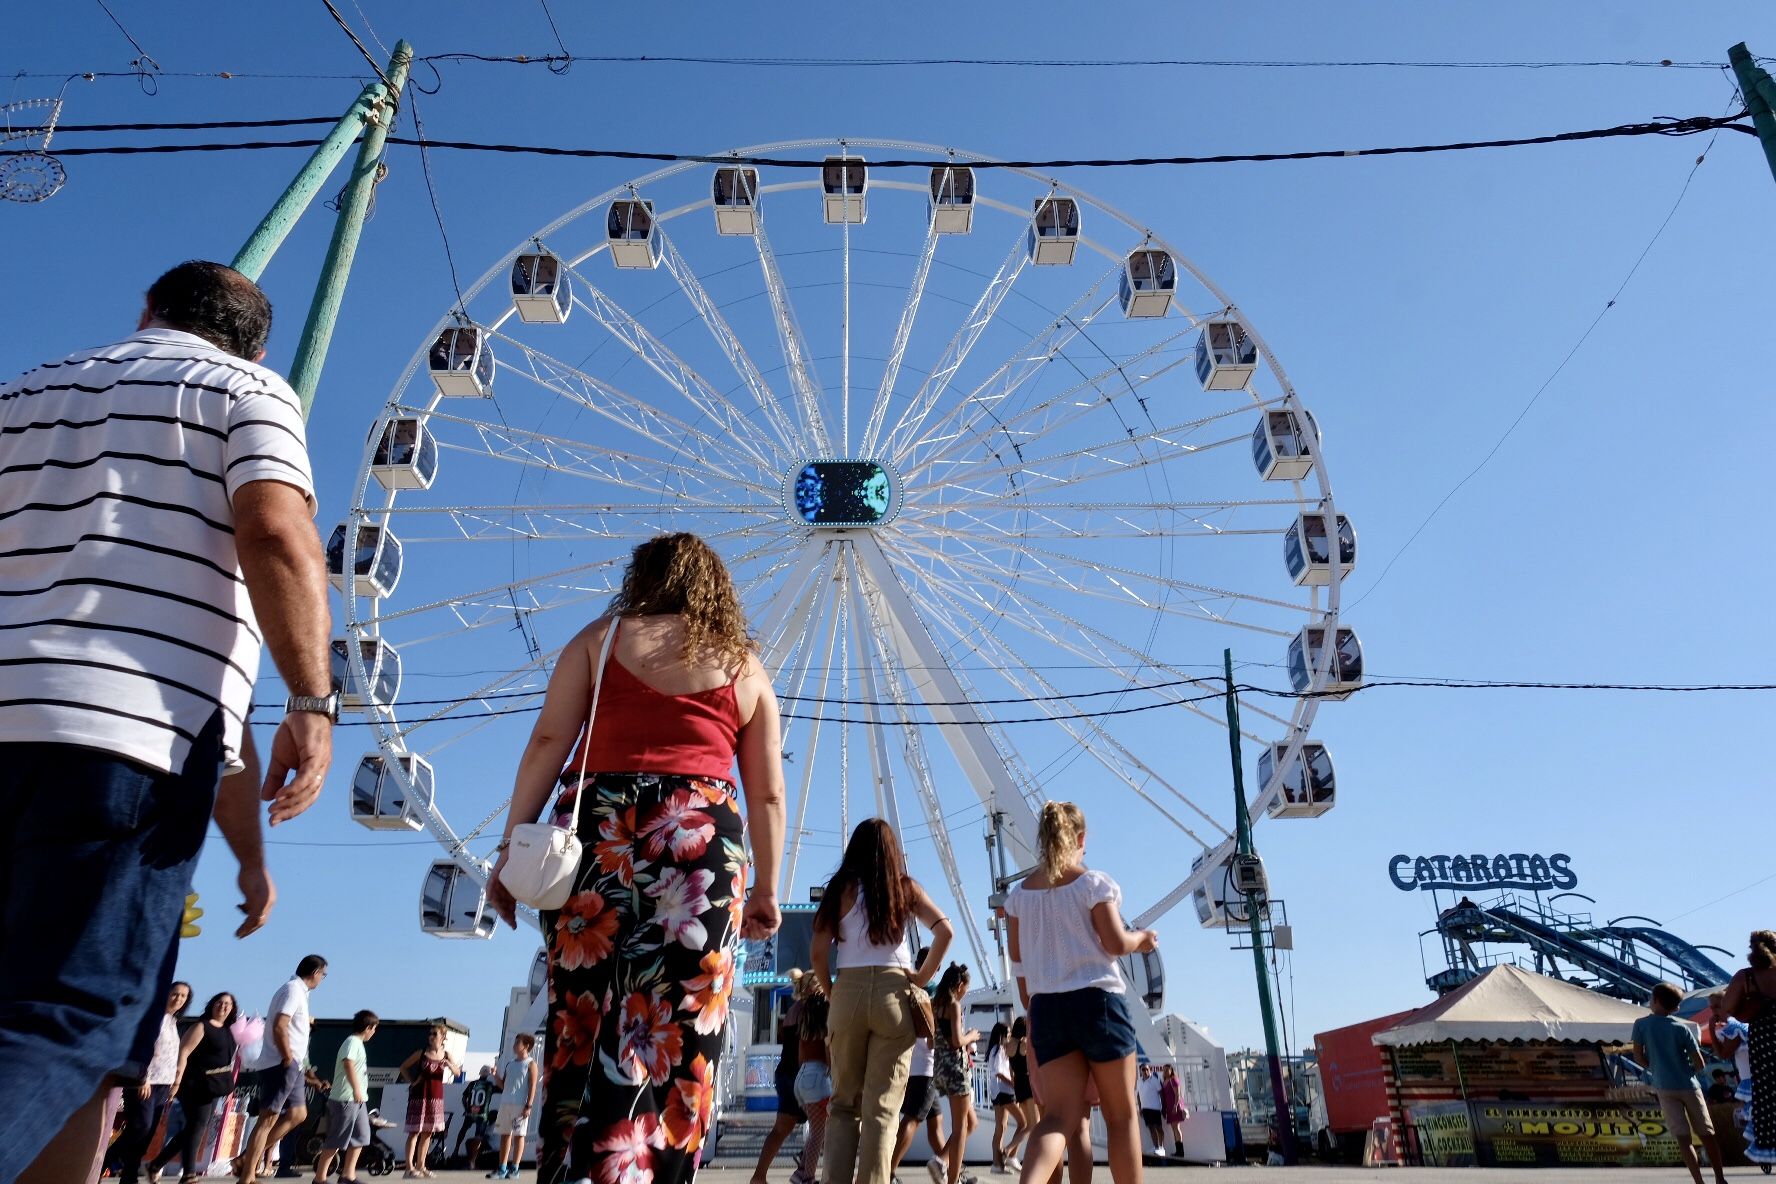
604	653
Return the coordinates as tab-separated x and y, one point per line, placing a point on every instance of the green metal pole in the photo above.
1760	97
1285	1114
354	203
282	218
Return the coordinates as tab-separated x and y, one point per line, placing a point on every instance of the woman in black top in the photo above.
206	1072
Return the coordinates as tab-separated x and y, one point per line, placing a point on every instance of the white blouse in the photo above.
1059	948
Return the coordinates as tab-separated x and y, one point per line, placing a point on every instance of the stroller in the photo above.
377	1158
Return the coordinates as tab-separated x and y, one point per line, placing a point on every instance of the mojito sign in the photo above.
1461	873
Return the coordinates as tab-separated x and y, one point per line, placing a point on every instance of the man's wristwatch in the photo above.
327	705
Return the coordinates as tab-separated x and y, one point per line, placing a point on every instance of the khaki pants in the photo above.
870	1028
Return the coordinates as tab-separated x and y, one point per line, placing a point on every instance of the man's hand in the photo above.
258	894
301	751
146	1092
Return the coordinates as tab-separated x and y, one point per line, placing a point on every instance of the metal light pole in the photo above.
1285	1114
1760	98
370	117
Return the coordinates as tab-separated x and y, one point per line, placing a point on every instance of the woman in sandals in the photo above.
641	957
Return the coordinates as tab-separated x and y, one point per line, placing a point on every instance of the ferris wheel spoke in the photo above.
918	764
504	591
812	750
1023	460
573	522
1122	580
799	588
1009	377
563	456
541	662
1091	736
1197	609
902	334
1109	653
797	359
944	694
1042	484
667	432
1066	406
912	417
729	343
1013	518
679	374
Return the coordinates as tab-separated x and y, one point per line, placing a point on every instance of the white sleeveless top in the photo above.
854	947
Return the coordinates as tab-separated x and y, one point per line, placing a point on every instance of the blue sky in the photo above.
1621	534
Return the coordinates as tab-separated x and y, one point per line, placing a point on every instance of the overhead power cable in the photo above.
1157	705
1548	381
556	59
1660	127
64	128
394	93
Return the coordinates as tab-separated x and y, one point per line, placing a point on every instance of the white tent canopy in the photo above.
1510	1003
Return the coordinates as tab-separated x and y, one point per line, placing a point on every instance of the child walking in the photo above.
813	1085
1065	934
517	1081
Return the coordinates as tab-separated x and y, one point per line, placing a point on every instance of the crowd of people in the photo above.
157	533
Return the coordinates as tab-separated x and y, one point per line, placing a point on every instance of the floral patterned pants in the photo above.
641	967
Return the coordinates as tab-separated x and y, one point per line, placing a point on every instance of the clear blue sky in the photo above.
1622	534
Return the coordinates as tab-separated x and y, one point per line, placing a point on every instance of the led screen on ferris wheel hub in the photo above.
843	493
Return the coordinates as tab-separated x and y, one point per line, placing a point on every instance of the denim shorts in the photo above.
1092	1021
96	856
813	1084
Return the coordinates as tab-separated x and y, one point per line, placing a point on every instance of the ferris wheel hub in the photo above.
843	493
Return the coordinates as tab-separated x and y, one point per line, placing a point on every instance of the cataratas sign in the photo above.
1427	873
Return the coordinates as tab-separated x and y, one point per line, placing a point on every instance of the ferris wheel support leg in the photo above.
931	678
354	204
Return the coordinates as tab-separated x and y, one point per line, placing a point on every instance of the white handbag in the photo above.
542	859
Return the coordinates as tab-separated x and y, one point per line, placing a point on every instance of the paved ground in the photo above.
735	1172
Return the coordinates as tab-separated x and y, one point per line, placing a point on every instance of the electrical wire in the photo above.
144	68
1693	125
566	61
394	92
63	128
1057	717
1547	382
564	57
425	167
1217	685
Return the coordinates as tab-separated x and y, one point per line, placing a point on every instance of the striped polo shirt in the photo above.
124	621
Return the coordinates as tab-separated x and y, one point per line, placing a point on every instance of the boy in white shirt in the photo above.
518	1090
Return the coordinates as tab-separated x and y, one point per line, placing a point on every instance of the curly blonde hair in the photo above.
682	574
1058	833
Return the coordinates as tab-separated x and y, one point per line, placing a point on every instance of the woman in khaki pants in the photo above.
861	930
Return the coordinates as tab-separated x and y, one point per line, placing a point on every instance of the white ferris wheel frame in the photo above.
858	560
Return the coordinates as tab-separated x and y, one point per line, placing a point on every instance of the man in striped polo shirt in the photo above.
156	529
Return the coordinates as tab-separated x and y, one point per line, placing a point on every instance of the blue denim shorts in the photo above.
96	856
1092	1021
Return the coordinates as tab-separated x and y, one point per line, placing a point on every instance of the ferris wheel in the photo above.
998	470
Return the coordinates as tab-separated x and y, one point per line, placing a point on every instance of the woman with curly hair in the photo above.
641	957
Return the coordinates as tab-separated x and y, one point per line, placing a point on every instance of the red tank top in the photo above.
641	730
